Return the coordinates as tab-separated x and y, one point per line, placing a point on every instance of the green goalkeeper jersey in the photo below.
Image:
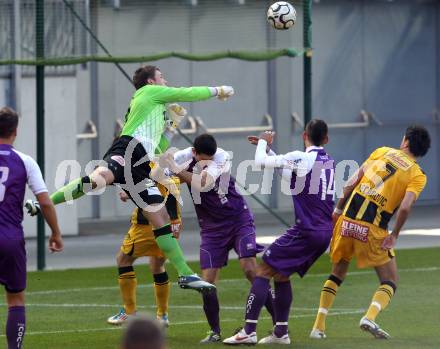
146	116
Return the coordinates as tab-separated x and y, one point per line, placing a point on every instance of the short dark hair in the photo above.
8	122
418	139
205	144
143	333
142	74
317	131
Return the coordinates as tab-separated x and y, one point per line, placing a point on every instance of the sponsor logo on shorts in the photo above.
250	246
267	253
354	230
119	159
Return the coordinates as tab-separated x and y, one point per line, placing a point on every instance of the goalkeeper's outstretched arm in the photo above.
165	94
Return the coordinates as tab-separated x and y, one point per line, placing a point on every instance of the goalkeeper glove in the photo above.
224	92
176	114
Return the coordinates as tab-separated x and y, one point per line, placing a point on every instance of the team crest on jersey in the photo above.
119	159
354	230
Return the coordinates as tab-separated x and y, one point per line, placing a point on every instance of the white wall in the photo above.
367	54
60	128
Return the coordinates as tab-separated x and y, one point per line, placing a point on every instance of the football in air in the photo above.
281	15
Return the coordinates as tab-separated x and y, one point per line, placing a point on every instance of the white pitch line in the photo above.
36	333
357	273
195	307
97	305
269	239
108	288
103	288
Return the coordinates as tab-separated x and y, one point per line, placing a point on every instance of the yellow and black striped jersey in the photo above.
171	205
388	174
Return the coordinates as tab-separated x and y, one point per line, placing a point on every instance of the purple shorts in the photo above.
217	242
13	264
296	250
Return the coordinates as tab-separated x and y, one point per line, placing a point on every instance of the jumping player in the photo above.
389	180
128	160
225	220
140	242
17	170
310	174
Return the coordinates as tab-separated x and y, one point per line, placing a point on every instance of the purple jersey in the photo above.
310	176
222	203
314	203
16	170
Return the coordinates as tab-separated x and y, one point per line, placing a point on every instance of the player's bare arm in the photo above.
200	182
48	210
402	215
346	192
173	209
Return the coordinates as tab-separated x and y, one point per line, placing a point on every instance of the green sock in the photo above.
71	191
171	248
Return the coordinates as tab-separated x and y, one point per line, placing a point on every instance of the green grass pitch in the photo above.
68	309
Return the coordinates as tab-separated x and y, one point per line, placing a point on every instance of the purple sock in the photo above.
15	327
212	310
270	304
283	300
256	299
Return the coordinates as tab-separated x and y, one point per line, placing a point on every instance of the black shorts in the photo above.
129	163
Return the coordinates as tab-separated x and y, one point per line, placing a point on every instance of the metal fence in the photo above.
64	35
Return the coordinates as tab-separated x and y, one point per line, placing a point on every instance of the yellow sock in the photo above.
328	295
161	292
127	284
380	300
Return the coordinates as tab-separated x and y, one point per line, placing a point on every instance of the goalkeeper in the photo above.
128	161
